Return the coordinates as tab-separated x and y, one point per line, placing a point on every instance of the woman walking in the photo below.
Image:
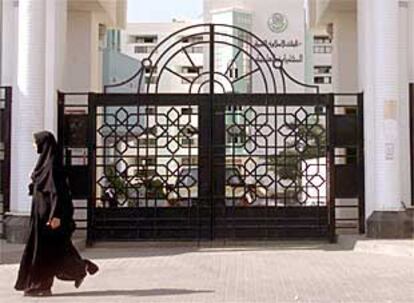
49	251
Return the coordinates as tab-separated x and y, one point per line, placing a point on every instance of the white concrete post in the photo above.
28	106
56	20
366	48
411	39
386	103
404	109
9	42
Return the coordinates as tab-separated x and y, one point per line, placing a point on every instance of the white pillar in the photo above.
411	39
28	106
366	49
386	103
9	42
56	20
404	110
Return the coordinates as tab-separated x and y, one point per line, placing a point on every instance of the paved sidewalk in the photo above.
304	272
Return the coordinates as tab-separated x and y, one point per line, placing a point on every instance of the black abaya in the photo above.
49	252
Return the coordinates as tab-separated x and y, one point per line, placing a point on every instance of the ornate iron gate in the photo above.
218	161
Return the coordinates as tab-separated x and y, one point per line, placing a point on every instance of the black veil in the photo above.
48	163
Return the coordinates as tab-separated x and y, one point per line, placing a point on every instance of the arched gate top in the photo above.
236	59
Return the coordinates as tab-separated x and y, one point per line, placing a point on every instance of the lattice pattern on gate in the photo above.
235	156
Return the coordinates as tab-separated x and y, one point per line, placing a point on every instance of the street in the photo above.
286	272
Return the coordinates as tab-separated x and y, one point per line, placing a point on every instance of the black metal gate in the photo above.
218	161
5	134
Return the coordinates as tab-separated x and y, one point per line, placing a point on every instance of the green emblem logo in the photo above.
277	23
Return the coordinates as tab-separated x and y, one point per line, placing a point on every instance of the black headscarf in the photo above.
47	164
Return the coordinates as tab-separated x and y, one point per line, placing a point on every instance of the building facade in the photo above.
139	41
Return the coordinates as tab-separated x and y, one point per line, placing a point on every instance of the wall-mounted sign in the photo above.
277	23
389	151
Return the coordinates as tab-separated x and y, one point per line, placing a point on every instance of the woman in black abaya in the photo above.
49	251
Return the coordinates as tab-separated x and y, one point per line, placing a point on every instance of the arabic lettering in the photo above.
285	58
280	43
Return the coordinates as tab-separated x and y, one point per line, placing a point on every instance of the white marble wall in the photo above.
379	52
405	57
39	58
56	16
28	105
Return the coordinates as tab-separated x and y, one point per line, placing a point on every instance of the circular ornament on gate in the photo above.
277	23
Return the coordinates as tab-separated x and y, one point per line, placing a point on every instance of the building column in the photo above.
9	42
404	109
381	83
411	39
386	103
56	23
366	85
28	106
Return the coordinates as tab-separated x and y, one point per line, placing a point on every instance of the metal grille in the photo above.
275	167
73	126
159	173
235	156
147	168
348	153
5	123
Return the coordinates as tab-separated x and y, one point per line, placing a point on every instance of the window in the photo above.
323	69
147	39
143	49
234	72
323	80
317	49
322	40
191	39
191	69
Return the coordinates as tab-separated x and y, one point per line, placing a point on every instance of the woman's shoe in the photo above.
91	267
38	293
79	282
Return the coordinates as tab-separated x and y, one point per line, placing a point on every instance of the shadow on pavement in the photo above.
110	250
133	292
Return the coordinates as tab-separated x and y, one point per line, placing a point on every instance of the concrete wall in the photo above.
345	53
83	64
